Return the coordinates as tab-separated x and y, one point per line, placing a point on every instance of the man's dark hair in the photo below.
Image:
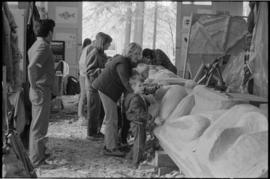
86	42
44	27
148	53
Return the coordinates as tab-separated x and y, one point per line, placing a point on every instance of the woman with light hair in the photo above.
82	78
111	83
95	62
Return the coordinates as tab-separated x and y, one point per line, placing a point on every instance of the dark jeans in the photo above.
139	132
28	115
123	125
94	111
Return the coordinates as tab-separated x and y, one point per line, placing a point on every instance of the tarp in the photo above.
213	36
259	50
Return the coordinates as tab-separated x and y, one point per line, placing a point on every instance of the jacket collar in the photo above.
43	39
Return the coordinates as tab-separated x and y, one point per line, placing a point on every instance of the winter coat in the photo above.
11	54
95	61
109	82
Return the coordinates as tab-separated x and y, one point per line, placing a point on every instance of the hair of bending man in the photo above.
101	40
131	49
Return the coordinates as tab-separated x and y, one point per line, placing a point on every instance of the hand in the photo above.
53	96
138	89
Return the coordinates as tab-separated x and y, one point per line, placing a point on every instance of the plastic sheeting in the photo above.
213	36
232	73
259	50
11	54
16	99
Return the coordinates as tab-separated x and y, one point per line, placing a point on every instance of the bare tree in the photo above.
155	26
128	24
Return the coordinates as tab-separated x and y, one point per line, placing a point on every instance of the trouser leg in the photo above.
82	97
101	116
93	112
125	128
28	115
39	125
139	142
111	121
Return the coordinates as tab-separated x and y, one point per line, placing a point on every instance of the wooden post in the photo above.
128	25
187	45
155	26
178	36
139	20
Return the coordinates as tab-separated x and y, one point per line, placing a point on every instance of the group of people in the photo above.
103	82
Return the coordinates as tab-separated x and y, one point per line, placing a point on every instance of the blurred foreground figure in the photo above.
82	78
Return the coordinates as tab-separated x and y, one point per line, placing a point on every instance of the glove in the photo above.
53	96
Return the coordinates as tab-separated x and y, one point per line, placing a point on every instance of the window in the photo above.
12	3
186	2
204	3
201	3
246	8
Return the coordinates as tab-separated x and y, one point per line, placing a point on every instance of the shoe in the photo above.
129	156
81	118
45	165
103	127
94	137
84	123
100	135
124	148
133	165
47	155
42	163
113	152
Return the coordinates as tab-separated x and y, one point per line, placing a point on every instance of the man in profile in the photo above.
41	74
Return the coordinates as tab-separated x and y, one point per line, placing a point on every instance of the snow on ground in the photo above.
75	156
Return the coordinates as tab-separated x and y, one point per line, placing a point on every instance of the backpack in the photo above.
72	86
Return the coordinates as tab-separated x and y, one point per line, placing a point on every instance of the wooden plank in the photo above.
163	160
165	170
23	4
4	93
225	37
246	97
185	45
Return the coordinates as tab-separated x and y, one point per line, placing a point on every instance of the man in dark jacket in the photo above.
95	62
111	83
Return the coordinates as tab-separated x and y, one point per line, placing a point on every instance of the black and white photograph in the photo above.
135	89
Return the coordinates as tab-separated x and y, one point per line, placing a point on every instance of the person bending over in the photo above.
111	83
